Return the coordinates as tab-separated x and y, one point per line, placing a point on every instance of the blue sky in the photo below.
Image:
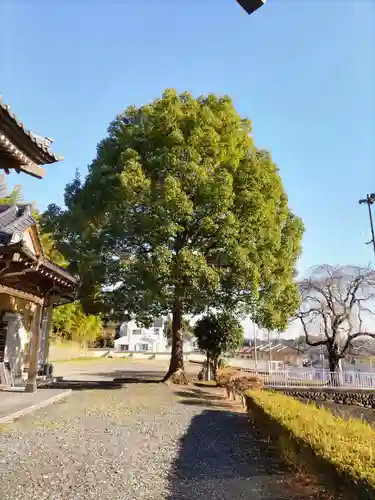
302	71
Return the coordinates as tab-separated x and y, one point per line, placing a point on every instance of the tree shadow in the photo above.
138	377
119	382
222	456
82	385
199	395
132	376
210	404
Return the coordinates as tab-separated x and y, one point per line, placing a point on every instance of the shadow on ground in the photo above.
222	456
122	379
132	376
200	395
82	385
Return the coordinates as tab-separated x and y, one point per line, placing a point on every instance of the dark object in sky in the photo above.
251	5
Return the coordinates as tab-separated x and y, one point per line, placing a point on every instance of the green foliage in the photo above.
71	323
9	198
180	208
63	320
50	250
218	334
311	437
49	246
223	364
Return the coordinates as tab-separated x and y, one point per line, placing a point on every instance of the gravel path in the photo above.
139	442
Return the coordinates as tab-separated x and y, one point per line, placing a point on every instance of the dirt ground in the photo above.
107	369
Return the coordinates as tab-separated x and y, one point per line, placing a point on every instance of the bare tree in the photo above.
338	304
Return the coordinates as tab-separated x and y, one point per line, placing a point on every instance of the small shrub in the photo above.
237	383
223	376
244	383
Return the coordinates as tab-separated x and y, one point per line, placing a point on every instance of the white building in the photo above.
189	346
135	339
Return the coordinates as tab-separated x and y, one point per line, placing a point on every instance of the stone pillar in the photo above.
15	343
49	311
34	350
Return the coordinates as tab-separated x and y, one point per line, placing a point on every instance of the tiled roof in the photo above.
42	143
60	270
14	221
263	346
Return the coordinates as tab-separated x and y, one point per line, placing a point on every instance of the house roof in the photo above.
269	347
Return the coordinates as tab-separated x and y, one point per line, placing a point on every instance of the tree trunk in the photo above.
334	362
215	366
176	373
208	366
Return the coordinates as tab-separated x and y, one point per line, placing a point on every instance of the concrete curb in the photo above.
37	406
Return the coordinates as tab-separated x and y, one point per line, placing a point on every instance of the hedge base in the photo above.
298	453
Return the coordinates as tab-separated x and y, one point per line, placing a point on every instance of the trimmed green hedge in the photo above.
340	453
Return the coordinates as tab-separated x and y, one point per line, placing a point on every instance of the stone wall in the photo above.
362	398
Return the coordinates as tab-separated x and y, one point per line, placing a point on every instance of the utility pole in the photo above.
251	5
255	347
269	352
370	200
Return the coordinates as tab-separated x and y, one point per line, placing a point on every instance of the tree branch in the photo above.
308	341
361	334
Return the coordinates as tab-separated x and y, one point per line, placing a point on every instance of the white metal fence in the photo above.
316	379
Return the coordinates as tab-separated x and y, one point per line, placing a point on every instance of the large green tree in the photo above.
179	213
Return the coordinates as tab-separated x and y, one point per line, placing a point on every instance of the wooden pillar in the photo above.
48	329
34	350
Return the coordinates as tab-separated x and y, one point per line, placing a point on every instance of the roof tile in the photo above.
16	219
42	143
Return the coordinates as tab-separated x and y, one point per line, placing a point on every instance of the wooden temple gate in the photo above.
30	285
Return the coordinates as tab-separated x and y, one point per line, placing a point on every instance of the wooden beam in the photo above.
13	158
29	167
21	295
34	170
20	273
34	350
